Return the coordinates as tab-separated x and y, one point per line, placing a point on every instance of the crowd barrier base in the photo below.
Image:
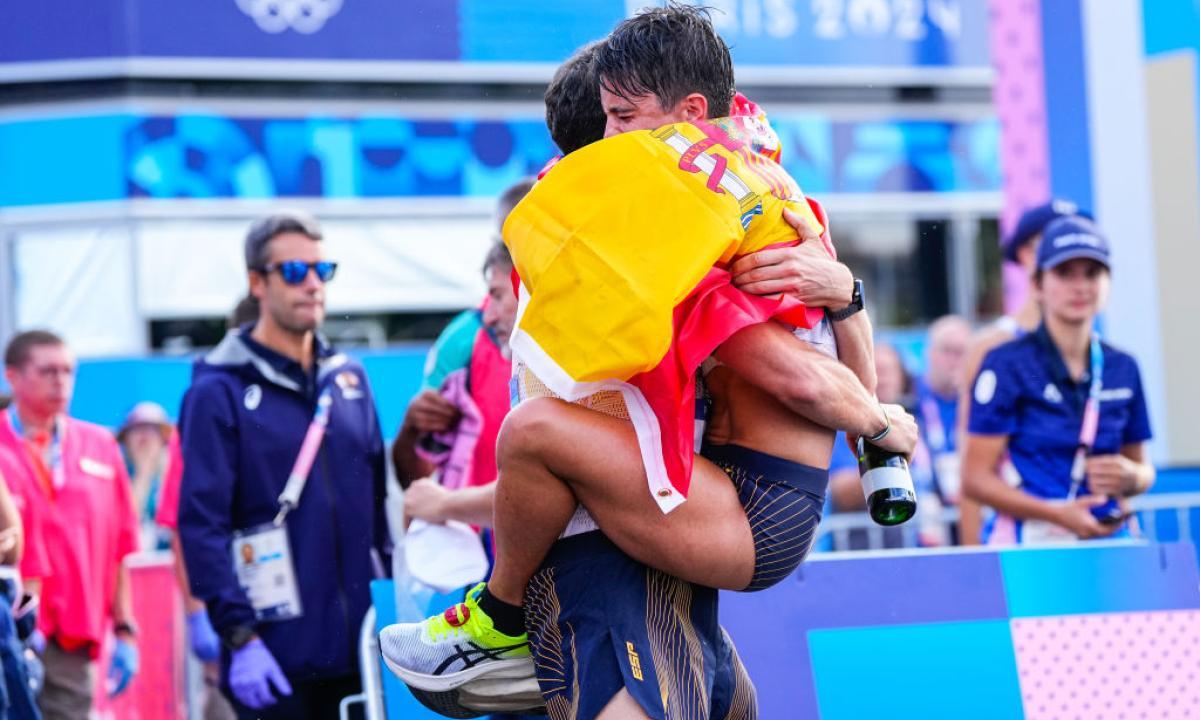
1096	630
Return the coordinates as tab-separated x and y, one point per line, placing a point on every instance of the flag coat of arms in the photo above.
621	252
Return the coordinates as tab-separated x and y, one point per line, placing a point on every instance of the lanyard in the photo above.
935	429
1091	419
289	499
53	454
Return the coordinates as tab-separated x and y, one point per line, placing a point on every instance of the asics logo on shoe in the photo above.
474	655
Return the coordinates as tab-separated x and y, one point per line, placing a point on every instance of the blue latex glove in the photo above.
252	672
205	643
123	667
37	642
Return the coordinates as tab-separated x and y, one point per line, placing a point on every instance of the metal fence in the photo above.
1165	516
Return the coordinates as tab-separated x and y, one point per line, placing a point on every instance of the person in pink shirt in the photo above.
72	477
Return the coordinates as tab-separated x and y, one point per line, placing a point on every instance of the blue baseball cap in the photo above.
1069	238
1035	219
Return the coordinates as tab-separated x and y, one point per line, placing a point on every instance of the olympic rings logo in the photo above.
303	16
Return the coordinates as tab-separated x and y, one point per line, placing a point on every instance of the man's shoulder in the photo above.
90	430
1119	359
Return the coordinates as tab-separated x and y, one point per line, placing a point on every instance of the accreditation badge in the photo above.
262	558
947	468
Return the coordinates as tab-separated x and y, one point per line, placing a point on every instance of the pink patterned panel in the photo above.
1019	94
1120	666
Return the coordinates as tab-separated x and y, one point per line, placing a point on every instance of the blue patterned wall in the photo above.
112	157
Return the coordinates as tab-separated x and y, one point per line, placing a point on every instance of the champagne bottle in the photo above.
887	484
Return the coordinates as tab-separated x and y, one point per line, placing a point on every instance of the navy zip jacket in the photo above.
242	422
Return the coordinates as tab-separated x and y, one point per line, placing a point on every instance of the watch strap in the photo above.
856	304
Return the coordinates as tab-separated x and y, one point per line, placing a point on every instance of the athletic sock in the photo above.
506	617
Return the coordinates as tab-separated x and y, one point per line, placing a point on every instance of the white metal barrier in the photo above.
371	697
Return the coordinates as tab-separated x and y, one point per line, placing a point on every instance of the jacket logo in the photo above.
97	468
985	387
253	397
635	663
1116	394
1051	394
349	384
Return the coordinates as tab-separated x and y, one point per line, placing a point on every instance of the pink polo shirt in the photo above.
88	526
34	563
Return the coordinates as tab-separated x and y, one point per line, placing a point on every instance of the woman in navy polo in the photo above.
1078	446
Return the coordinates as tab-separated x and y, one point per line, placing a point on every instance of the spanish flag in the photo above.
621	252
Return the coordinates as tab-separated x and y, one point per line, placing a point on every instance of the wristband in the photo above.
887	428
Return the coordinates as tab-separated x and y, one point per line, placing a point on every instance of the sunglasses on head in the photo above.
294	272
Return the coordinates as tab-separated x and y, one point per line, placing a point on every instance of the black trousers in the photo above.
310	700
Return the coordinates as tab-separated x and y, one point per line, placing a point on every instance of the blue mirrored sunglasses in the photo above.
293	272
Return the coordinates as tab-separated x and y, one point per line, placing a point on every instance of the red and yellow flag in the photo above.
621	251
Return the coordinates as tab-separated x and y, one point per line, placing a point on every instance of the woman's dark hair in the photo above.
573	111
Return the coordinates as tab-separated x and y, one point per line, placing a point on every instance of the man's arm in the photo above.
12	533
812	275
377	461
208	425
431	502
122	601
806	271
856	347
983	483
970	523
814	386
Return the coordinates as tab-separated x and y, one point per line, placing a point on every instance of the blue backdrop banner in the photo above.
816	33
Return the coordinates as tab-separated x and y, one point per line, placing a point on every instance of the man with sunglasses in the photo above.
282	500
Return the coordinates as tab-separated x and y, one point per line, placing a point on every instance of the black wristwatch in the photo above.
238	637
856	303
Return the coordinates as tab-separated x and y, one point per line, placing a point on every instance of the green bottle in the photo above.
887	484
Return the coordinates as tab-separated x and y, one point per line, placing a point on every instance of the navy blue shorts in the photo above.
783	502
599	621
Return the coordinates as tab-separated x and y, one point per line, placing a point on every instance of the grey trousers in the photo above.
70	682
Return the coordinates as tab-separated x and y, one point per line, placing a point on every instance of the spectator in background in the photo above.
72	475
1032	400
1021	247
291	616
462	492
144	437
508	200
937	401
473	348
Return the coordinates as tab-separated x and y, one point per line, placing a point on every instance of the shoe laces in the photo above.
452	622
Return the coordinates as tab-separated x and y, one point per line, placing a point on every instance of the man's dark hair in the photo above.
573	111
508	199
497	255
264	230
668	52
21	346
